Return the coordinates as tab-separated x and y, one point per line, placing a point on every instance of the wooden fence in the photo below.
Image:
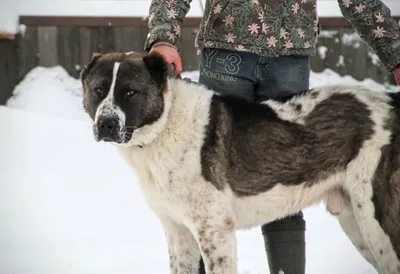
70	42
8	67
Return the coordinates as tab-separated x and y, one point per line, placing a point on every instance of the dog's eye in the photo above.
131	92
98	91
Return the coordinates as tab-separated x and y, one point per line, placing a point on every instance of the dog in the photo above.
210	164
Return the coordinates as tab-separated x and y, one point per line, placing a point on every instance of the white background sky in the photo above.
11	9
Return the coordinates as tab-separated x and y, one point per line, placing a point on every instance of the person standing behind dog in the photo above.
260	49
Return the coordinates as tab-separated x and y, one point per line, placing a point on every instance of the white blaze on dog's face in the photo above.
122	93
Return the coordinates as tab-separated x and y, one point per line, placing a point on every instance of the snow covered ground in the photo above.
69	205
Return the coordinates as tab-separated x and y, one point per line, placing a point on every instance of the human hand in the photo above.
396	72
170	53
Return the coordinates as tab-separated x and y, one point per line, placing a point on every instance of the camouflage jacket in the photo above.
274	27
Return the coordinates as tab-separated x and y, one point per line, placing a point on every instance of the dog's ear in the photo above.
89	66
157	66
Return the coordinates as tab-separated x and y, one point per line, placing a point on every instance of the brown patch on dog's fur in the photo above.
313	151
386	196
386	183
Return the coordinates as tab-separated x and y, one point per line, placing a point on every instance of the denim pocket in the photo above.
240	64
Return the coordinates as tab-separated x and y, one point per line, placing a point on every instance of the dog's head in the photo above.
123	93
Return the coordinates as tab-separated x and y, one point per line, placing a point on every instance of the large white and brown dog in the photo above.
209	164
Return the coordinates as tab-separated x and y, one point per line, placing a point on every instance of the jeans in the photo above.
253	77
257	78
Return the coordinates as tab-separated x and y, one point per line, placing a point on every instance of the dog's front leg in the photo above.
217	240
184	253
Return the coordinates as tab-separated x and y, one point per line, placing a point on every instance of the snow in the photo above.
322	52
374	58
52	85
328	33
139	8
69	205
340	62
350	39
22	29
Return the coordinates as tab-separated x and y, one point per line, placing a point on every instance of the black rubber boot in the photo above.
202	269
285	245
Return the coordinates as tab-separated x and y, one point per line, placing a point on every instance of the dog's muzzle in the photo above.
107	129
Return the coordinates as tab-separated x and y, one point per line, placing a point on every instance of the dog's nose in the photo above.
107	129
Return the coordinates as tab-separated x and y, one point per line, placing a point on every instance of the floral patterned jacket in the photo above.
274	27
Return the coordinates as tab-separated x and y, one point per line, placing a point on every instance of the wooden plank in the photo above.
47	44
326	53
94	40
119	40
102	39
376	70
129	39
27	51
332	56
5	85
85	46
190	59
8	68
144	32
68	46
331	53
354	52
316	62
107	39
